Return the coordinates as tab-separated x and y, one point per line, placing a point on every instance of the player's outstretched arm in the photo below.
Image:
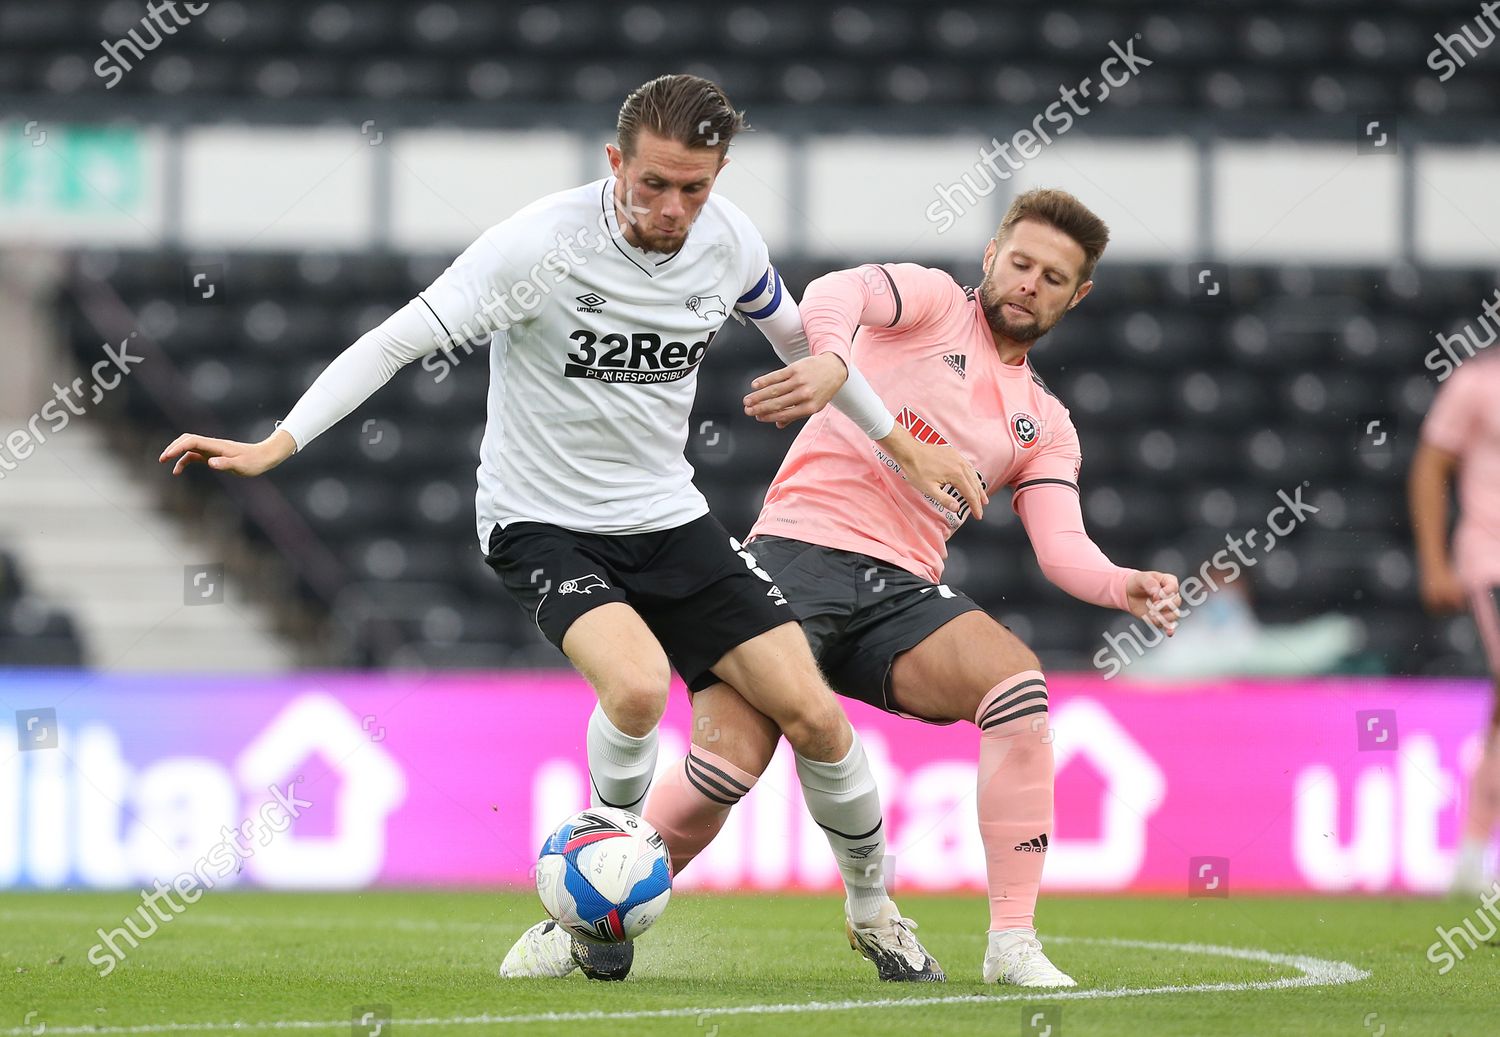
462	300
226	455
352	377
1070	559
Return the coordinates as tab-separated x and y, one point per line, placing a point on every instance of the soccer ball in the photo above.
604	875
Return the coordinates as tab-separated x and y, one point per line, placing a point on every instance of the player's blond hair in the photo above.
1061	210
690	110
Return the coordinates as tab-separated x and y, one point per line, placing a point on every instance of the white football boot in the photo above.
548	951
545	951
889	942
1015	956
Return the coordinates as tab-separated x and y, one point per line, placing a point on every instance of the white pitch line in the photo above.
1315	972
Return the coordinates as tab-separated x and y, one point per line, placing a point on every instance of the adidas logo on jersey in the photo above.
957	361
591	302
1034	845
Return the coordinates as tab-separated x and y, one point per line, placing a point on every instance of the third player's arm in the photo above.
1428	487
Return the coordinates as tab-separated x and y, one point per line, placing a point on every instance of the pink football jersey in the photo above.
1465	420
935	365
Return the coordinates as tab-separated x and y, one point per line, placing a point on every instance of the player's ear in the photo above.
615	156
1083	290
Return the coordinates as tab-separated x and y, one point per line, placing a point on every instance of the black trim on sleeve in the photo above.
894	292
439	320
1042	482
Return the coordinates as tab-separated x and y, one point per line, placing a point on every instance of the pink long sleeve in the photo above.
835	304
1054	522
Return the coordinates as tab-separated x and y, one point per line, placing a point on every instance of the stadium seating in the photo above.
1327	57
31	632
1192	418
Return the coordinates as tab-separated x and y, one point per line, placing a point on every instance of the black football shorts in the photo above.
692	585
858	612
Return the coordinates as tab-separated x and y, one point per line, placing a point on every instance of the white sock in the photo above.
1003	939
1470	860
620	765
845	803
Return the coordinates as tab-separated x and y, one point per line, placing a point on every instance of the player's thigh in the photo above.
616	653
776	674
947	674
728	726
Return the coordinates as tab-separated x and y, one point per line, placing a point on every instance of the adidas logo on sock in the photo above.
1035	845
957	361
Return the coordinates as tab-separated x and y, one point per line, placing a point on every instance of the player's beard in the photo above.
659	241
1001	324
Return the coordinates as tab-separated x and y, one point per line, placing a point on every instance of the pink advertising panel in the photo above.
343	781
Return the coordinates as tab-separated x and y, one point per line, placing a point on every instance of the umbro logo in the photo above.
591	302
775	592
861	852
1036	845
957	361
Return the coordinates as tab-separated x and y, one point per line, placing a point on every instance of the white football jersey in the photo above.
595	357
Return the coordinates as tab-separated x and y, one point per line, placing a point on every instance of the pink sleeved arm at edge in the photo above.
1448	423
836	304
1068	558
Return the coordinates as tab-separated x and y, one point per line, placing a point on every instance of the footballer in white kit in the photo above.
586	506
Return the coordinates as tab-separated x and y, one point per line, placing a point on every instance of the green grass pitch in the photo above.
738	966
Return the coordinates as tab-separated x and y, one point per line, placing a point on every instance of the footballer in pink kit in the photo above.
1462	436
859	552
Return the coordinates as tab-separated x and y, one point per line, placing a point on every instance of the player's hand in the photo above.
1442	591
797	391
935	469
225	455
1153	597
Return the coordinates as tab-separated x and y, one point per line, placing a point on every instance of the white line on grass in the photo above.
1315	972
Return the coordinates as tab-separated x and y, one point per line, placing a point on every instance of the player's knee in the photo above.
1015	699
817	727
635	702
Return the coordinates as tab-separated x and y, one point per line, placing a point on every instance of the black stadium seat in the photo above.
1279	56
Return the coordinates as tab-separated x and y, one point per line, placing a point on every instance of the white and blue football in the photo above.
604	875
